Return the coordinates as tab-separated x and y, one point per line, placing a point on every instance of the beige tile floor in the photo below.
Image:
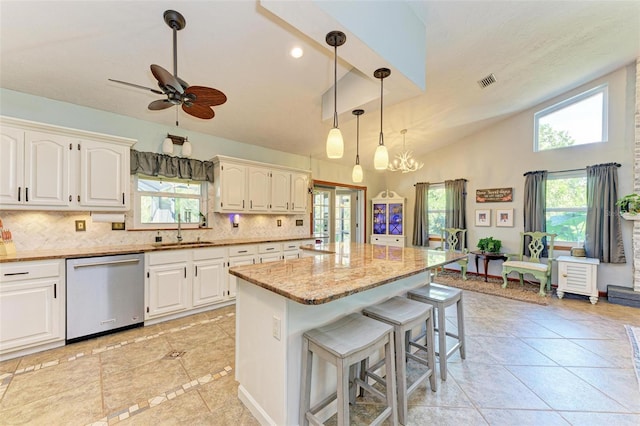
566	363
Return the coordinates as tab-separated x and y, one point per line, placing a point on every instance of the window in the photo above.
436	209
579	120
567	205
162	202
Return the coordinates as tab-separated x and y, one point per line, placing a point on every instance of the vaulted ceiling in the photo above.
536	49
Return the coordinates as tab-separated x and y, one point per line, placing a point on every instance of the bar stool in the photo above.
404	315
440	296
343	343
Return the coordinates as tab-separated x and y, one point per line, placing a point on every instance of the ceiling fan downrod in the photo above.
176	22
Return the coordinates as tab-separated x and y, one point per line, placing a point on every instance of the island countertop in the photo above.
340	270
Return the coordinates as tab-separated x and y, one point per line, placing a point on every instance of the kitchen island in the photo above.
277	302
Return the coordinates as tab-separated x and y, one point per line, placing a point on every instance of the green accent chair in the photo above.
450	239
531	265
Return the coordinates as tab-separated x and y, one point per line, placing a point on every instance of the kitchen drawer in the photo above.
29	270
292	245
269	248
170	256
209	253
242	250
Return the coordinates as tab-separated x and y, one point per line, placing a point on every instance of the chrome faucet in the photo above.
179	229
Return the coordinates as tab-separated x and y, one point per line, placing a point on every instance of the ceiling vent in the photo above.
487	81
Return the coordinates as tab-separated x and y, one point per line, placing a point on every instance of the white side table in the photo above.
578	275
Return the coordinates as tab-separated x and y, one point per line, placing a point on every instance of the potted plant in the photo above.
489	244
630	206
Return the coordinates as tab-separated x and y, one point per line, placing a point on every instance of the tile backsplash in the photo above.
44	230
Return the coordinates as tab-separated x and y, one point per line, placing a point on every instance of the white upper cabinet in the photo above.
299	192
104	174
53	168
259	189
252	187
230	181
11	165
280	191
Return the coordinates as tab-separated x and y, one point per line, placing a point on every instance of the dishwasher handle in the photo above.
112	262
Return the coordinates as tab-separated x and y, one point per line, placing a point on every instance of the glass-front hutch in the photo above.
388	219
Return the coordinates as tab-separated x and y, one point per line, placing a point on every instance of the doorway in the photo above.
338	213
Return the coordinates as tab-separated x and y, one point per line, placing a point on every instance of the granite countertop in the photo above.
340	270
70	253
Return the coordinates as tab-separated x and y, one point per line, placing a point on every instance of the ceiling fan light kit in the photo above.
381	157
195	100
356	174
335	143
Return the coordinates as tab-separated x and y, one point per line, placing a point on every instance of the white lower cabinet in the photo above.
179	281
209	276
239	256
167	284
578	275
32	307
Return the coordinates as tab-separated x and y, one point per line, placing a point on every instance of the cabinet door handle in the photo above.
123	198
287	205
565	275
270	248
243	204
242	251
15	273
55	290
26	195
196	270
19	192
78	198
185	272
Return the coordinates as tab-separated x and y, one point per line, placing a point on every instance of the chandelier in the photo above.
404	162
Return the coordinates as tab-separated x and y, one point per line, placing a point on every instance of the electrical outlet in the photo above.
279	222
276	325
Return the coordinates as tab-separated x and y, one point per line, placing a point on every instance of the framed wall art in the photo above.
504	217
483	217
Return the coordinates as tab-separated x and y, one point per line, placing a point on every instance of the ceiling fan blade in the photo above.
201	111
160	104
206	95
137	85
166	79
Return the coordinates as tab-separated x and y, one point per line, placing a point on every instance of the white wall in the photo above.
498	156
47	230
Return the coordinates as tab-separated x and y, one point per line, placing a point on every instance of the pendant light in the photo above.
404	162
356	175
381	157
335	143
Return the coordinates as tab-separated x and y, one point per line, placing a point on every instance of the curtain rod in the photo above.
436	183
572	170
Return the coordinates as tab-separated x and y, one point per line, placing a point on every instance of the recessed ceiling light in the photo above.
296	52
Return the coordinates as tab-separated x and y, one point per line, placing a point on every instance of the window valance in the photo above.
152	164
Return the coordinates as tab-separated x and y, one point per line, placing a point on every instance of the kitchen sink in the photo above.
184	244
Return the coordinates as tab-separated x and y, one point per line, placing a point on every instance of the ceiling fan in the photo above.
195	100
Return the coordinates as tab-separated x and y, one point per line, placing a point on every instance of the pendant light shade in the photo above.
357	175
335	143
186	148
381	158
167	146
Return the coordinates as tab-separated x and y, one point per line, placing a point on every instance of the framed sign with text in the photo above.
494	195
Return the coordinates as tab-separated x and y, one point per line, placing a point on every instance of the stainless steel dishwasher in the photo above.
104	294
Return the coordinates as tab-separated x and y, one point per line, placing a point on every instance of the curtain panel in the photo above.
152	164
420	217
535	212
603	230
455	210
